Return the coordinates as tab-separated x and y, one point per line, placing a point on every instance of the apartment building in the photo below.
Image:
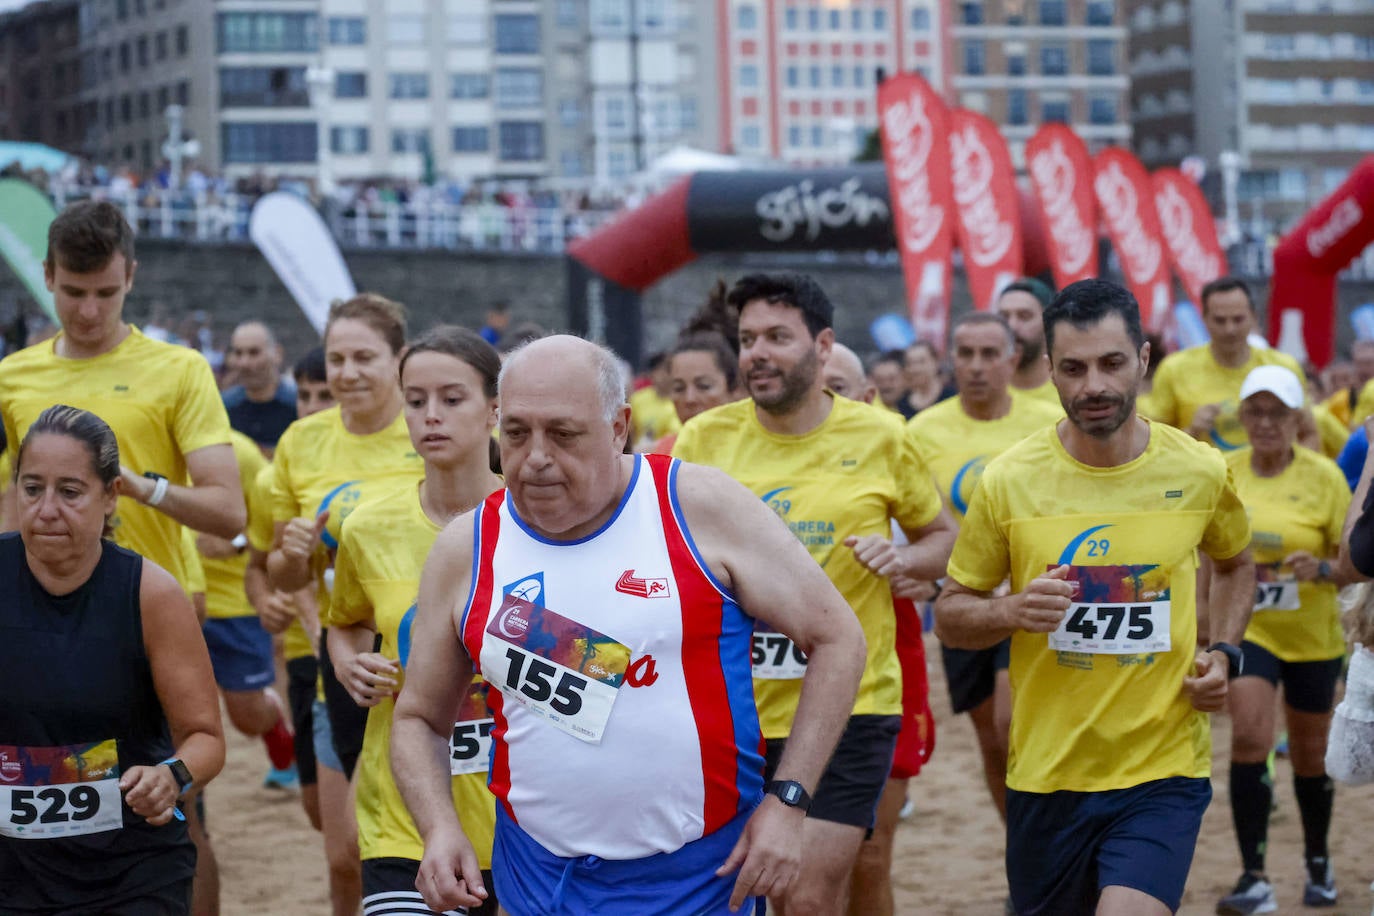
40	74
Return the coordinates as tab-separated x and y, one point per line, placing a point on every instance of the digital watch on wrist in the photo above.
180	773
1235	660
790	793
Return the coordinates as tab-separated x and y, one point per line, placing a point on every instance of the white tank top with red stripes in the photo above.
625	718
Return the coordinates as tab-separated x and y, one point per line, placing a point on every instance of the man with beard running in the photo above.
1023	303
1098	522
837	471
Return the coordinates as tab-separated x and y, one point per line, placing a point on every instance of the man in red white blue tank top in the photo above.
611	599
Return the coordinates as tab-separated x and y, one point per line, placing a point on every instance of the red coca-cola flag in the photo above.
1190	233
916	152
1126	200
986	204
1061	172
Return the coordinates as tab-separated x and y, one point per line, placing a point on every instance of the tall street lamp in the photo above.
320	80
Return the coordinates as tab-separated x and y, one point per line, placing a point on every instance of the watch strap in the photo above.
180	773
1235	659
790	793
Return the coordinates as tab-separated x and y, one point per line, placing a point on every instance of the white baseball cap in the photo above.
1278	381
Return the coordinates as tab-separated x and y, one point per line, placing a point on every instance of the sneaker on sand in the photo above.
1320	889
286	779
1253	894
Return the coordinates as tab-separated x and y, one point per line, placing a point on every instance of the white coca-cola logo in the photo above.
1345	216
911	137
989	233
1140	253
1176	221
1054	177
801	206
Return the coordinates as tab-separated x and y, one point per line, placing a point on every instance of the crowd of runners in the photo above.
526	638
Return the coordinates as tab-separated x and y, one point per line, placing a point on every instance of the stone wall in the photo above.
233	283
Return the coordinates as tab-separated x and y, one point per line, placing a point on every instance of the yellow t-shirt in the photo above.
1192	378
160	400
261	532
376	579
849	476
194	583
1343	406
1044	392
224	594
1330	429
1303	508
651	416
319	465
957	448
1090	721
1364	405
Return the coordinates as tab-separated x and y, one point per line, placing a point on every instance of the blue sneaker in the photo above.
1320	889
287	779
1253	894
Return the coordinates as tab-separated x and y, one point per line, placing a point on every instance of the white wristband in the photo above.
159	491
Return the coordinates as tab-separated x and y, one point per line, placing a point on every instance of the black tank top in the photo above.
74	673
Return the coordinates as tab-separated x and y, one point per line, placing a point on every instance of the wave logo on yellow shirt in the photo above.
1228	419
338	502
965	482
813	533
1097	546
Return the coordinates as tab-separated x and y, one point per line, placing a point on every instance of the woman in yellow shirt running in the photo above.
448	379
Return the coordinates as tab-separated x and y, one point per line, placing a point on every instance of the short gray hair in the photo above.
611	382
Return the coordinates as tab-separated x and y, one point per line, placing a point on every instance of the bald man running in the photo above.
608	599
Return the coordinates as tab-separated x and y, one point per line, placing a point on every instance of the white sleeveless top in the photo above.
625	717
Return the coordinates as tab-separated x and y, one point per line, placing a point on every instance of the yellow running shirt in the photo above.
261	535
224	594
376	580
848	476
1045	392
651	416
1303	508
195	570
321	465
957	448
160	400
1110	718
1192	378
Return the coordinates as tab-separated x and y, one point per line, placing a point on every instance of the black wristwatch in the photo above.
790	793
180	773
1235	659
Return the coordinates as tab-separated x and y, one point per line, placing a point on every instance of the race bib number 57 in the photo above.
470	747
564	672
48	792
1116	610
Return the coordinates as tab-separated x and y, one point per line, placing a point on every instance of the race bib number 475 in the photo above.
48	792
563	671
1116	610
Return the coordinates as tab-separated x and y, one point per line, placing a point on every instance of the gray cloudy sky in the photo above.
11	4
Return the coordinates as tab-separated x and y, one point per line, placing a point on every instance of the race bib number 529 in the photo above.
48	792
1116	610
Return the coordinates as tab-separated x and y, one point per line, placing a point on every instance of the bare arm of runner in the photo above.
186	689
1231	598
749	549
968	619
214	501
369	677
437	677
288	563
923	559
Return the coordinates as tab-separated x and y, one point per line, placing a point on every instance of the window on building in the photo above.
410	140
1102	109
183	41
837	77
568	14
1016	61
747	16
750	137
610	15
164	98
1052	12
1054	109
975	57
687	113
880	19
617	163
570	112
121	10
467	28
794	136
126	109
791	76
748	76
521	141
813	19
813	76
834	20
124	57
267	32
519	87
408	85
405	30
817	136
347	30
351	140
1101	12
1101	56
263	87
615	112
791	18
1017	110
471	138
856	18
1280	45
920	18
160	45
517	33
1054	60
572	164
350	84
183	93
971	13
141	50
145	105
469	85
248	142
